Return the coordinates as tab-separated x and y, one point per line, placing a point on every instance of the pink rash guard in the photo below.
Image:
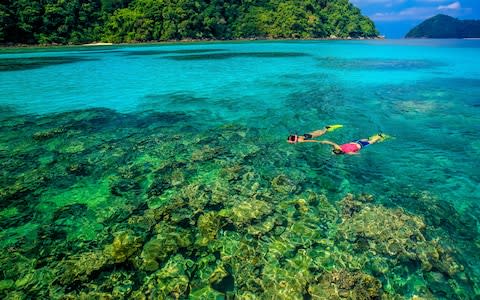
350	147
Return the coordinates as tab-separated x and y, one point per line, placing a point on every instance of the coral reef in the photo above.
341	284
124	245
208	226
246	212
168	240
100	205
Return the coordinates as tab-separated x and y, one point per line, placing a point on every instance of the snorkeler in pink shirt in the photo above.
353	147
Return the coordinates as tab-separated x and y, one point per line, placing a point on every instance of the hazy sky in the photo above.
393	18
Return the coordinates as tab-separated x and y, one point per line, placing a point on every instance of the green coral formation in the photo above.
342	284
138	214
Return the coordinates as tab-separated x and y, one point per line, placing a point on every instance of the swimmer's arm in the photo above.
309	141
335	146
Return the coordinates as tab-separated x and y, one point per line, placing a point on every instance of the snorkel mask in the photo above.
292	139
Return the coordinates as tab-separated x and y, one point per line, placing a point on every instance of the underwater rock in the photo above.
228	244
350	204
446	263
241	257
301	206
246	212
79	267
118	283
288	281
158	187
206	153
220	192
218	275
78	169
440	213
252	186
11	215
171	174
221	279
155	251
15	295
35	281
232	172
169	240
177	177
74	210
284	185
208	225
263	227
244	150
6	284
170	282
439	285
48	134
25	188
143	222
303	233
197	195
326	211
122	186
205	265
124	245
378	265
280	247
72	148
14	265
206	293
182	217
397	235
342	284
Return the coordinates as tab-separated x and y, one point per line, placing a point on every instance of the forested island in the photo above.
445	27
126	21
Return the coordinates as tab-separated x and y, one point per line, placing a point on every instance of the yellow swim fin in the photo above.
383	136
331	128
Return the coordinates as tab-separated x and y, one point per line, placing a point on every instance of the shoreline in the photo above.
96	44
183	41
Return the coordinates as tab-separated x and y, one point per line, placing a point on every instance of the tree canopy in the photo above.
83	21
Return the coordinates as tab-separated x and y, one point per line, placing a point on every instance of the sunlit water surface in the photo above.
425	94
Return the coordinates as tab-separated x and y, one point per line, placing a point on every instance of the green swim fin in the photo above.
331	128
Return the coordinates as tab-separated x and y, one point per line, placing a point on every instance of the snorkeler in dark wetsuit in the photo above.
308	137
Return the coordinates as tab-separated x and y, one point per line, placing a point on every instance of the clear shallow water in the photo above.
424	93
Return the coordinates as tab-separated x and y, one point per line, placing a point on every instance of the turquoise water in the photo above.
98	142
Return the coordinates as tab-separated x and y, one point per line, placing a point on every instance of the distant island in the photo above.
127	21
445	27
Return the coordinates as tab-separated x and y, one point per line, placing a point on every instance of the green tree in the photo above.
289	21
127	25
6	22
28	20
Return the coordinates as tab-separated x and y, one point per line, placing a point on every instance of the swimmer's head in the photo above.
292	139
337	151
